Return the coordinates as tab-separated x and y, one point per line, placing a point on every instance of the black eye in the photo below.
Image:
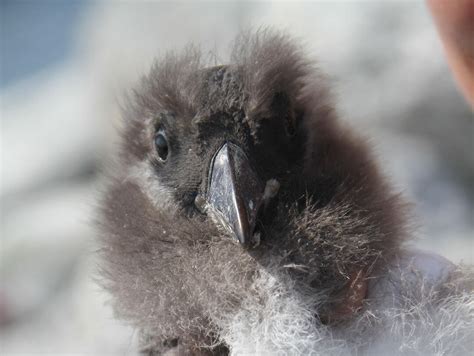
161	145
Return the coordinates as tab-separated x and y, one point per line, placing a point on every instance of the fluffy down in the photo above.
190	289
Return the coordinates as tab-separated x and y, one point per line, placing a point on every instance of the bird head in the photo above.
233	174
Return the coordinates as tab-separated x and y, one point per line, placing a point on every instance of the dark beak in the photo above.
234	193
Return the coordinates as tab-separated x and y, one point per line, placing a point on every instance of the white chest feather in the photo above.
411	310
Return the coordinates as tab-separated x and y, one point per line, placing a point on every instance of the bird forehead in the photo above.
221	90
222	79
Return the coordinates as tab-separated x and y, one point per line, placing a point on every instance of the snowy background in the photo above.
65	66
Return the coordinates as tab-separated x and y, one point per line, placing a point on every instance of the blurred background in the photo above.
65	67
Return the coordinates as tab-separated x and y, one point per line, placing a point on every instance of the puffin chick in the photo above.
241	217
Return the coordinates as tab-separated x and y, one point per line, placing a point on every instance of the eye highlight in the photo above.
161	145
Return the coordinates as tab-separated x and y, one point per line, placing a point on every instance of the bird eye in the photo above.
161	145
